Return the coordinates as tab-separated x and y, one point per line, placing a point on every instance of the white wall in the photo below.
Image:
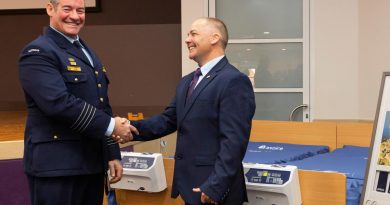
349	42
374	53
191	10
335	55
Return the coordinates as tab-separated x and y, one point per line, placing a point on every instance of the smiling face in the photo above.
67	16
202	41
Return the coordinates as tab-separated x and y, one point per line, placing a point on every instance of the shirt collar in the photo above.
71	40
209	65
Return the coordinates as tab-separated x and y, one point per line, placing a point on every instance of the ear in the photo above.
215	38
49	9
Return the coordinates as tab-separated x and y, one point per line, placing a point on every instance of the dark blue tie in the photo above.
77	44
80	46
195	79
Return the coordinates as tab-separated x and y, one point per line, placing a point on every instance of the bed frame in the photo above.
313	133
319	188
358	134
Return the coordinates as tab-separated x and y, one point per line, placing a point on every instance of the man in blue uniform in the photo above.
212	112
68	144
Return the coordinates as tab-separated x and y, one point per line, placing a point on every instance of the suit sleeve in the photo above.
158	125
237	106
42	81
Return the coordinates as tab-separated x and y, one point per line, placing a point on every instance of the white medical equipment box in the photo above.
142	172
272	184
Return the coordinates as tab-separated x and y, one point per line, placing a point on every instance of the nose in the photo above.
74	14
187	40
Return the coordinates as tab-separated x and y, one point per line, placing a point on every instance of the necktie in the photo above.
77	44
193	82
80	46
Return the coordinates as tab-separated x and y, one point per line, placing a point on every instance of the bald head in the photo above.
218	26
206	40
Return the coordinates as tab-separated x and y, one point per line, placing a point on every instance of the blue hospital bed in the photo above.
277	153
349	160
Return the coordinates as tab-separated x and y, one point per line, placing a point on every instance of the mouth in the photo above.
74	24
191	48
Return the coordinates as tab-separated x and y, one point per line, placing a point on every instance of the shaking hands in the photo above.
123	131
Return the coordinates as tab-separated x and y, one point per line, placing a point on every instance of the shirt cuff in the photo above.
110	127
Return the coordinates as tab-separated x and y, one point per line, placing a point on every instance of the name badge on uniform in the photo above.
74	68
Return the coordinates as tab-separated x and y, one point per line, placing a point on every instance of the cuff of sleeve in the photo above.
110	127
211	193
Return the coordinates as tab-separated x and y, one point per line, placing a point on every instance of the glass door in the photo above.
269	42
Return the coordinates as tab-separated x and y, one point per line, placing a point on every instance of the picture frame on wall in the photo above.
376	189
38	6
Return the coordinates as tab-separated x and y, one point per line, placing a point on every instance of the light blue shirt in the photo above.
111	126
207	67
71	40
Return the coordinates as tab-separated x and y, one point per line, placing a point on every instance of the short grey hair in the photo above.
221	27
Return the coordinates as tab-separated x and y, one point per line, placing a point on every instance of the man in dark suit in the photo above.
68	144
212	113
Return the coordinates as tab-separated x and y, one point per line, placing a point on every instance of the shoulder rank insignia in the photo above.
74	68
104	69
33	50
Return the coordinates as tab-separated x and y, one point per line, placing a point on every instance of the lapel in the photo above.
210	76
181	98
63	43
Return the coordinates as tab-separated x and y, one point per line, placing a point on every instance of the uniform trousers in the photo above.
67	190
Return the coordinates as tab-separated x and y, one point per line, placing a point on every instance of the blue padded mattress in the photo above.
349	160
277	153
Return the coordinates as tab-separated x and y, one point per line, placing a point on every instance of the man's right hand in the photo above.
123	130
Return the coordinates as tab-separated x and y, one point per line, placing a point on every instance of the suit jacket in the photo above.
213	131
68	109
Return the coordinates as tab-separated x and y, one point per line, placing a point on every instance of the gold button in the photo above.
96	72
55	137
99	85
76	79
101	99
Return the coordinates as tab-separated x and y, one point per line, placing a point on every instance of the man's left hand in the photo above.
116	170
204	198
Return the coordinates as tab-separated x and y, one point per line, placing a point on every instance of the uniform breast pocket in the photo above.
78	84
75	78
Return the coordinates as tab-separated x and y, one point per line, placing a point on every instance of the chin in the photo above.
191	56
73	33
